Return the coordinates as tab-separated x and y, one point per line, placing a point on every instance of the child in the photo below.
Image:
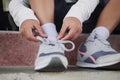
42	17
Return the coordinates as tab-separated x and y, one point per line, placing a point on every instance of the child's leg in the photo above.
44	10
108	20
110	16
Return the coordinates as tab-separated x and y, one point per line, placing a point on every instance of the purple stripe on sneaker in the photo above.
89	60
82	48
103	53
47	54
99	54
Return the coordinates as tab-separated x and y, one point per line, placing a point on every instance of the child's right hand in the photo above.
27	28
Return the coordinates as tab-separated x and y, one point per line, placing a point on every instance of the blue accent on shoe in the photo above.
54	53
102	53
52	44
83	48
99	54
88	60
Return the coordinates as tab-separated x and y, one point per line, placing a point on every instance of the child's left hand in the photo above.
74	28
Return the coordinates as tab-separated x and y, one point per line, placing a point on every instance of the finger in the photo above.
29	35
70	35
62	31
75	37
67	37
40	31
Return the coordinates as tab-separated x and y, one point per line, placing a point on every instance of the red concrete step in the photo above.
15	50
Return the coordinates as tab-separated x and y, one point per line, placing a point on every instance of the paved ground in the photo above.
15	55
27	73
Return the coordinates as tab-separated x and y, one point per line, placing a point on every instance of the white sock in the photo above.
101	31
50	31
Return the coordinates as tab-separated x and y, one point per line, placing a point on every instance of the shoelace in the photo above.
60	42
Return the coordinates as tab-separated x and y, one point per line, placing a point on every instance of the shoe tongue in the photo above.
52	39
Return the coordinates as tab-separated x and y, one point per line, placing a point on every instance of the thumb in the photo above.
62	31
40	31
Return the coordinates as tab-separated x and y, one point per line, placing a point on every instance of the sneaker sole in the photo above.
109	66
55	65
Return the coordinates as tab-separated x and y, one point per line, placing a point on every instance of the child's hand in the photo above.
74	28
27	28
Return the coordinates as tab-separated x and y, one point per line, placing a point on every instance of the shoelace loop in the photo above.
60	42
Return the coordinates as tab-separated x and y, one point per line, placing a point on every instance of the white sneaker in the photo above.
51	55
97	54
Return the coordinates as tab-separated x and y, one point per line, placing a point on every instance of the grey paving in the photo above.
27	73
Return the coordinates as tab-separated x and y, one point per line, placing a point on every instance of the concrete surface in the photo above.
27	73
16	52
